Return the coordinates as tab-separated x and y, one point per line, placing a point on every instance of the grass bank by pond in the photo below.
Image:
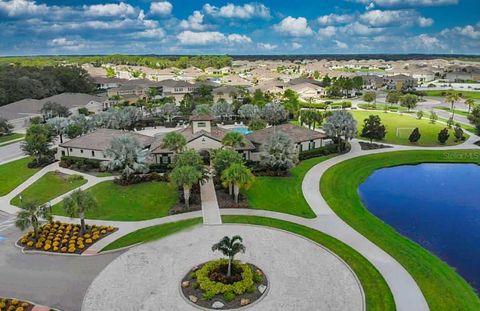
442	287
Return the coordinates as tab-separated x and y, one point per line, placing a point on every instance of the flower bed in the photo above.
207	285
7	304
58	237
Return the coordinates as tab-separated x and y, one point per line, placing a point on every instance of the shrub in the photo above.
229	296
317	152
257	278
80	163
140	178
443	136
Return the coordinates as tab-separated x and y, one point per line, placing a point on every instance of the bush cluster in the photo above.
317	152
140	178
64	237
211	288
7	304
80	163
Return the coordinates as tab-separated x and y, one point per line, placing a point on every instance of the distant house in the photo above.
397	81
103	83
308	91
176	89
372	82
93	145
229	93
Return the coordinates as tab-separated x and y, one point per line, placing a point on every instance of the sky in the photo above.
30	27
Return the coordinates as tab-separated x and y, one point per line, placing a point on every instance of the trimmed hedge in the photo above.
80	163
317	152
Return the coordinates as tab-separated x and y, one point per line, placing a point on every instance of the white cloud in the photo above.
65	43
194	21
210	37
327	32
22	7
246	11
296	45
357	28
151	33
469	31
110	9
425	22
428	42
404	3
340	44
294	27
267	46
162	8
379	18
334	19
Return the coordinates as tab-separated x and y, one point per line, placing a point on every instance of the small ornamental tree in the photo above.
77	203
409	101
458	133
37	143
223	158
5	127
393	97
373	128
419	115
238	176
443	136
414	136
234	140
279	154
370	97
230	247
174	141
185	177
433	117
31	214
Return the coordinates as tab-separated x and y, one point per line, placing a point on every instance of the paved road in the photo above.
55	281
10	151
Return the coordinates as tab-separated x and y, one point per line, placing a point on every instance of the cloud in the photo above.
150	33
425	22
357	28
296	45
163	8
340	44
210	37
405	3
334	19
14	8
110	9
65	43
294	27
246	11
267	46
327	32
379	18
469	31
194	21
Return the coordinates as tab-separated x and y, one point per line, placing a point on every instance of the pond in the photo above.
435	205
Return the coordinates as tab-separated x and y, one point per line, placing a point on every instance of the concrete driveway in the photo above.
55	281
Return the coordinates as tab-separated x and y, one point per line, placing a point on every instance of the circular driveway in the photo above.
302	274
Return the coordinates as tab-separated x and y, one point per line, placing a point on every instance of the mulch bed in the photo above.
65	238
194	295
372	146
9	304
226	201
477	143
195	202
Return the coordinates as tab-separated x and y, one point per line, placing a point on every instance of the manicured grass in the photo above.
152	233
48	187
14	173
393	120
377	293
443	288
10	137
129	203
459	112
465	94
283	194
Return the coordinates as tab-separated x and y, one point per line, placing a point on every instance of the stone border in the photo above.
265	293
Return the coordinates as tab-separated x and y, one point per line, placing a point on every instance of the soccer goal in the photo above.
404	132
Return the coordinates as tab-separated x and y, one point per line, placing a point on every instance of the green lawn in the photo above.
152	233
48	187
465	94
377	293
14	173
283	194
459	112
443	288
393	120
129	203
10	137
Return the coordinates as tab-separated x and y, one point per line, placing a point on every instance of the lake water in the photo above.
436	205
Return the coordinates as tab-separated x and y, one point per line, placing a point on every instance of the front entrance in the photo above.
205	154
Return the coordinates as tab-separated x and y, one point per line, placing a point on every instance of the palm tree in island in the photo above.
174	141
31	215
230	247
452	98
77	203
185	177
238	176
234	140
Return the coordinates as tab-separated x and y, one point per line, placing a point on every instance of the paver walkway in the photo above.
210	209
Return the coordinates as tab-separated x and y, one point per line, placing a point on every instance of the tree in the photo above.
37	142
249	112
415	135
126	153
393	97
443	136
31	214
340	124
409	101
73	130
223	158
52	109
77	204
279	153
273	113
373	128
187	104
452	98
370	97
474	117
257	124
433	117
5	127
470	102
458	133
169	110
234	140
192	158
291	102
311	117
238	175
419	115
174	141
230	247
185	176
59	126
222	109
202	109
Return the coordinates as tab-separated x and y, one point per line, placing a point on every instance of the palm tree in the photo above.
77	203
31	215
230	247
234	139
239	176
185	176
174	141
452	98
470	103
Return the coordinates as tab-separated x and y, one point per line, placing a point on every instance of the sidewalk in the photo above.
210	209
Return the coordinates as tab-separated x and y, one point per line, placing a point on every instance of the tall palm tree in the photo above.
470	103
234	140
230	247
77	203
174	141
239	176
31	215
185	176
452	98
